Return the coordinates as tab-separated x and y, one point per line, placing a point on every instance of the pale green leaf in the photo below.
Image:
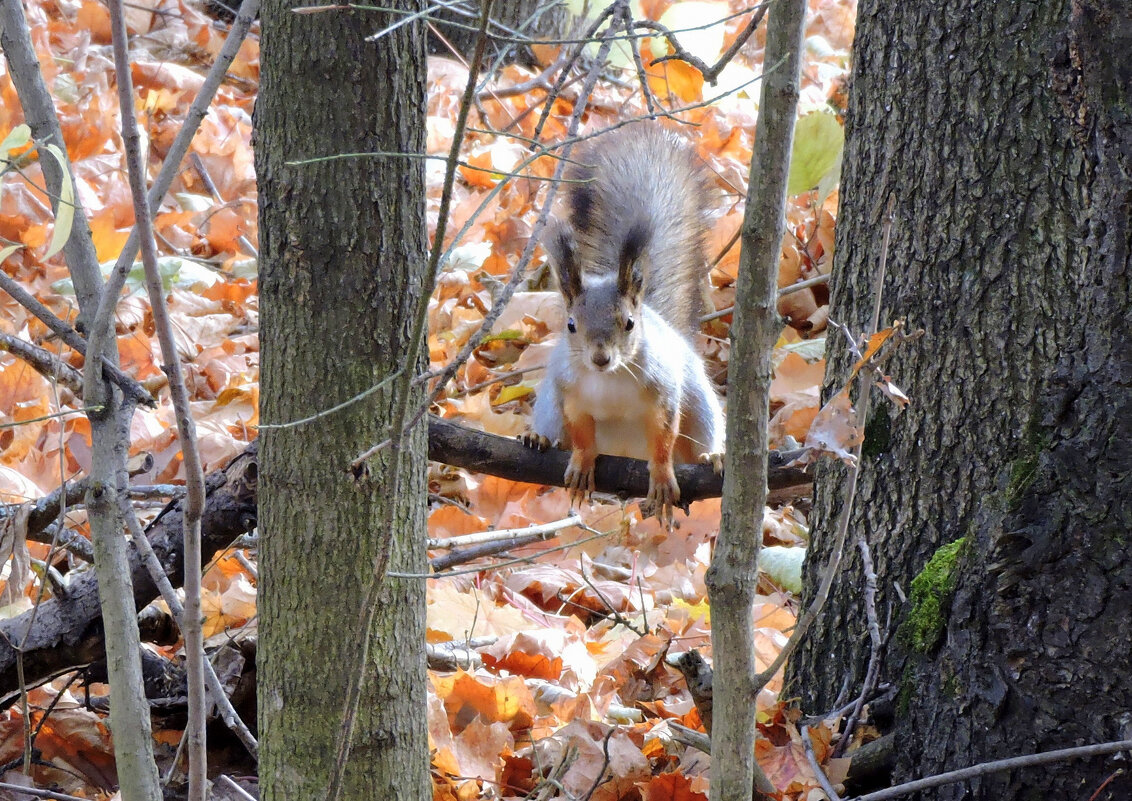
831	179
17	137
783	565
174	272
244	268
818	139
190	202
9	250
809	349
65	211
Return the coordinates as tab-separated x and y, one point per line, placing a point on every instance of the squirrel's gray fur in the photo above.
640	187
625	378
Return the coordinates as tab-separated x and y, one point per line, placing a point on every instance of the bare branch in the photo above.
986	768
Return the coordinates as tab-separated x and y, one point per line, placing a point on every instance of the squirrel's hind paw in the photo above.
536	441
715	459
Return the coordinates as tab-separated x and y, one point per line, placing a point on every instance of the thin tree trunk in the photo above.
733	576
130	723
342	249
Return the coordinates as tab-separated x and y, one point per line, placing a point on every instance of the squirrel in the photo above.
626	379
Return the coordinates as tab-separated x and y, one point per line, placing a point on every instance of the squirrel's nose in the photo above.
600	358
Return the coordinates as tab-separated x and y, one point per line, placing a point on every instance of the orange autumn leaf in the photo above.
225	227
108	240
678	79
671	787
507	700
95	17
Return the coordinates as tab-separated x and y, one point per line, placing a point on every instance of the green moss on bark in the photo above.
931	591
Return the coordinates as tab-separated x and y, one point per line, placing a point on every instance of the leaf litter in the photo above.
574	683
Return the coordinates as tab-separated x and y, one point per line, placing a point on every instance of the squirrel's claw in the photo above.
715	459
535	440
579	480
664	494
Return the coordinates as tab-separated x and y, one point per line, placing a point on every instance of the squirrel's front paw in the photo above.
579	478
715	459
532	439
663	495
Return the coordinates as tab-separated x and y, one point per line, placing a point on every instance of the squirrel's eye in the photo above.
628	323
570	325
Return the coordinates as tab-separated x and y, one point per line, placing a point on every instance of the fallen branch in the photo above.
66	631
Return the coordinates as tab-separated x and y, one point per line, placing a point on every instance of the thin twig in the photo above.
786	290
997	766
206	179
876	646
812	758
604	765
519	560
503	535
193	505
235	788
35	791
711	74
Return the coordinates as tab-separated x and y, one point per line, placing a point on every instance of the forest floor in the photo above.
572	644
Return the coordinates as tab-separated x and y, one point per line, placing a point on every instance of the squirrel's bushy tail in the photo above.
640	191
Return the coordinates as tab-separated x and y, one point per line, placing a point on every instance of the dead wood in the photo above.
67	631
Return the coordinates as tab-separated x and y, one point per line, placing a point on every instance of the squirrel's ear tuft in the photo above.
559	244
630	270
583	197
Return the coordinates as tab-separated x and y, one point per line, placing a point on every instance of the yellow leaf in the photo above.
511	393
818	139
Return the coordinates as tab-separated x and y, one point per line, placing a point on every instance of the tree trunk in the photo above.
1003	130
516	19
342	255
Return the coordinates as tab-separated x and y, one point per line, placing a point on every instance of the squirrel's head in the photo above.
604	308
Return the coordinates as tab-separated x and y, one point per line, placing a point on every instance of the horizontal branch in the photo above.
628	478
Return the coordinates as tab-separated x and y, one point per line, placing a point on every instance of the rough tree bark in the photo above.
342	253
534	19
1003	130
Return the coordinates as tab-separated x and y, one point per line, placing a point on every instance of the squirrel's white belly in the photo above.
619	406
